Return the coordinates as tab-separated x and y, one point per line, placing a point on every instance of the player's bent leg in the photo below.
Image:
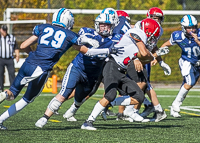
99	106
14	109
52	107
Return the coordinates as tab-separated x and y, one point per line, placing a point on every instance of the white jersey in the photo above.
138	25
130	47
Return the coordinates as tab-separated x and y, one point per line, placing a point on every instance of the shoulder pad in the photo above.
135	37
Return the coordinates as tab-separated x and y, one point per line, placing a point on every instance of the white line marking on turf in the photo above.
99	95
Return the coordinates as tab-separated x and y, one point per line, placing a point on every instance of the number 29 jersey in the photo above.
53	41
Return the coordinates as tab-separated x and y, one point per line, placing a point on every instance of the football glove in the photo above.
85	40
116	50
197	63
165	67
162	51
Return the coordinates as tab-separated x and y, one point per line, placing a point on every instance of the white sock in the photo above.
96	111
73	106
15	108
123	100
128	108
181	95
158	108
146	102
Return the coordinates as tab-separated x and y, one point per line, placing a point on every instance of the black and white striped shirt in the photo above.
7	46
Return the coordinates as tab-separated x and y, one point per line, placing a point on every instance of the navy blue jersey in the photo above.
122	27
90	66
190	49
53	41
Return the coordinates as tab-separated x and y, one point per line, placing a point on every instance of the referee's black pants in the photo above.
9	63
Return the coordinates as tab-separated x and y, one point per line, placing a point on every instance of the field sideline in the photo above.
21	127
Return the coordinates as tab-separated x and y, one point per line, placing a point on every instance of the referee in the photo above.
8	46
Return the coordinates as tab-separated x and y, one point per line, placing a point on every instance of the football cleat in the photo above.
103	115
110	113
72	119
176	106
2	127
148	110
174	113
41	122
120	116
2	97
88	125
158	116
70	112
133	114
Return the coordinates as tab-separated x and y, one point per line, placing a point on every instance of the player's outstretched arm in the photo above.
93	52
26	44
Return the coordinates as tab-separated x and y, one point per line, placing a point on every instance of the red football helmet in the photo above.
123	13
152	30
155	11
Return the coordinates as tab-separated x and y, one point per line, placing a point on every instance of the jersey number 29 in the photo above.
58	37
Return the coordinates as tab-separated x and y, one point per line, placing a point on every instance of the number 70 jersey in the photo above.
190	49
53	41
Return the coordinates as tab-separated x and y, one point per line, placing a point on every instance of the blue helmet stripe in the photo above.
107	19
59	14
190	20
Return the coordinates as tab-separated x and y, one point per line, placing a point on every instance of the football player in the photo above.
188	41
141	74
122	25
133	43
53	40
84	71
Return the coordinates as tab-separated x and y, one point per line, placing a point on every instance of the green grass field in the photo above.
21	127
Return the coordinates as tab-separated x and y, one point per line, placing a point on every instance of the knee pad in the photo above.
54	104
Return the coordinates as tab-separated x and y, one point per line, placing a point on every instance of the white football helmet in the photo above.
104	18
112	13
188	21
63	17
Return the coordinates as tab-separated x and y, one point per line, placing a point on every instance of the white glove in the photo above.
85	40
162	51
165	67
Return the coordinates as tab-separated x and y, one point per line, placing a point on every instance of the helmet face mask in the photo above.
106	19
152	31
189	22
64	18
